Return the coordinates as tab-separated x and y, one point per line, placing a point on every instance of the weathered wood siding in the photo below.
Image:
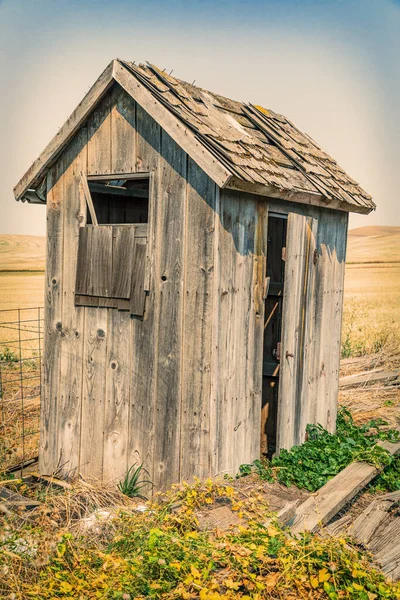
178	390
239	328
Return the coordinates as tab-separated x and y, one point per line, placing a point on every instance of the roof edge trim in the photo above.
298	196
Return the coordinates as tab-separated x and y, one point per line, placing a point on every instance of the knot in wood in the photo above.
101	333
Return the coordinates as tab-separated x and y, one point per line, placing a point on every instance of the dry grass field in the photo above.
372	290
22	253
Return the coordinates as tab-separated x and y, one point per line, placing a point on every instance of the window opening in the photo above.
119	201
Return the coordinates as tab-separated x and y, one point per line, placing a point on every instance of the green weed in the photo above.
324	454
133	483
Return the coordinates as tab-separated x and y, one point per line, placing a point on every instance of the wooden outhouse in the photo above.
194	281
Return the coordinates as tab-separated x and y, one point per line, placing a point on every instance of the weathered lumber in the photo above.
137	301
339	526
49	457
15	501
328	500
196	413
295	400
369	521
368	377
389	554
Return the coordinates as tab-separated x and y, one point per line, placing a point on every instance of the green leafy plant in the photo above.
8	355
389	479
133	483
324	454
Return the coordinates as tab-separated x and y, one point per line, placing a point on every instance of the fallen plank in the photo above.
14	501
370	521
338	527
285	515
369	377
322	506
389	555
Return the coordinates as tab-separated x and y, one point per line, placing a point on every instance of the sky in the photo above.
332	67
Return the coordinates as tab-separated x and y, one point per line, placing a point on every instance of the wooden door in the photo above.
298	310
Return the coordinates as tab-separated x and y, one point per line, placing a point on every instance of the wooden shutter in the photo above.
297	320
111	267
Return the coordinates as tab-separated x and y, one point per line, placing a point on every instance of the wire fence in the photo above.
21	341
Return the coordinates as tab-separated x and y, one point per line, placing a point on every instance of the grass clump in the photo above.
324	454
133	483
162	553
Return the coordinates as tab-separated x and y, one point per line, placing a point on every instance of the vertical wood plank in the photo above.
145	331
48	459
122	257
84	253
297	305
100	272
99	142
227	338
93	393
330	268
170	246
117	397
196	445
118	359
256	329
69	408
242	244
138	267
123	126
96	319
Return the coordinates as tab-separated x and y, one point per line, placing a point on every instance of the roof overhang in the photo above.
117	72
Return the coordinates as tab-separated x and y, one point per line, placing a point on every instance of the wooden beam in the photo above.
39	168
370	377
299	196
181	134
88	198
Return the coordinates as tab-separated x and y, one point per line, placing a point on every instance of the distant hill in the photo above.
365	244
22	252
373	244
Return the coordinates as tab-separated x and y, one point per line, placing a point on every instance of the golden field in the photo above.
372	290
22	253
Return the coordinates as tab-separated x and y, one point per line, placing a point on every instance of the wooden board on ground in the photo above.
383	376
328	500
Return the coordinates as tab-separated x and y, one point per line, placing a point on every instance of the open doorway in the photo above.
277	228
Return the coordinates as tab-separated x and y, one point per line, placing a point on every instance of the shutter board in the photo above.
123	250
100	272
111	267
298	300
84	252
138	266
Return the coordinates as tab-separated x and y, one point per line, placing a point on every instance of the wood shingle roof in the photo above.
255	144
